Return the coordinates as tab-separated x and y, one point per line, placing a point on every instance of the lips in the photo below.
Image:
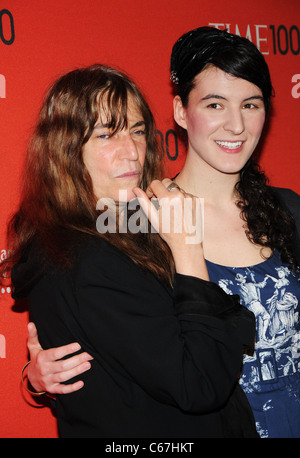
129	174
230	147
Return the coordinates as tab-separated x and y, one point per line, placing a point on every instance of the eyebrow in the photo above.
213	96
139	123
219	97
107	125
100	126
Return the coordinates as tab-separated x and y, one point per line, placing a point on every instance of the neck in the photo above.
202	180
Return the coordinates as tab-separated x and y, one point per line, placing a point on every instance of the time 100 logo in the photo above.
282	39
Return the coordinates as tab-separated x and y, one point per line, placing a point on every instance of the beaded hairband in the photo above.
174	78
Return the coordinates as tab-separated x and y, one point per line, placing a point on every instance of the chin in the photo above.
232	168
125	195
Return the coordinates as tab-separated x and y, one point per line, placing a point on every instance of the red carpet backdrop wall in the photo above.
40	40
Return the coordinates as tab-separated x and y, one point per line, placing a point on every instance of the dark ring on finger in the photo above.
173	186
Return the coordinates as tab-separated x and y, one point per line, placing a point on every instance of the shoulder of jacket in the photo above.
289	198
286	193
98	250
100	261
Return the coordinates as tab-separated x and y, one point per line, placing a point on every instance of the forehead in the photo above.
216	81
108	103
117	111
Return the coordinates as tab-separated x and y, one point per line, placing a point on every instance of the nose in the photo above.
234	121
128	148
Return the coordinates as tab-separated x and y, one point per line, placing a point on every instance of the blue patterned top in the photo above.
271	377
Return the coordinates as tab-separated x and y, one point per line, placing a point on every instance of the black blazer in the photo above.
291	202
166	363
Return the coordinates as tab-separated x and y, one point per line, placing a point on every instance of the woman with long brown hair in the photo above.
166	343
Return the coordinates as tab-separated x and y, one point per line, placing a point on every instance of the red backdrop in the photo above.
40	40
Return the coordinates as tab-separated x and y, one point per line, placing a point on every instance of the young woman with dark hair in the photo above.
222	91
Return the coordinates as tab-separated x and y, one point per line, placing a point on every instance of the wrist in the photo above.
27	386
191	262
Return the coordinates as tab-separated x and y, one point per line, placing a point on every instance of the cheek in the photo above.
99	170
142	155
256	125
201	125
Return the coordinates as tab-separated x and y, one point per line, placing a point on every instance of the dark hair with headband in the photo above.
196	50
267	223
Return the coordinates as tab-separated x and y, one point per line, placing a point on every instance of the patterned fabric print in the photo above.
271	377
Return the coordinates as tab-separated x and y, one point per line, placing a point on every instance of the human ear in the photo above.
179	112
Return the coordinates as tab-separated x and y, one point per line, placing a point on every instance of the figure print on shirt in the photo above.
276	317
271	376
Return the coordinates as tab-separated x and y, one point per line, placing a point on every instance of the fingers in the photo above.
67	389
50	376
48	370
68	368
55	354
157	191
147	205
67	374
179	216
158	188
32	331
166	182
32	340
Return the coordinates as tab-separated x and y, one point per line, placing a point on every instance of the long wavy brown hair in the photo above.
58	205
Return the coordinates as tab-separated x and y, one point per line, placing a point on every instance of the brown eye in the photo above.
250	106
215	106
